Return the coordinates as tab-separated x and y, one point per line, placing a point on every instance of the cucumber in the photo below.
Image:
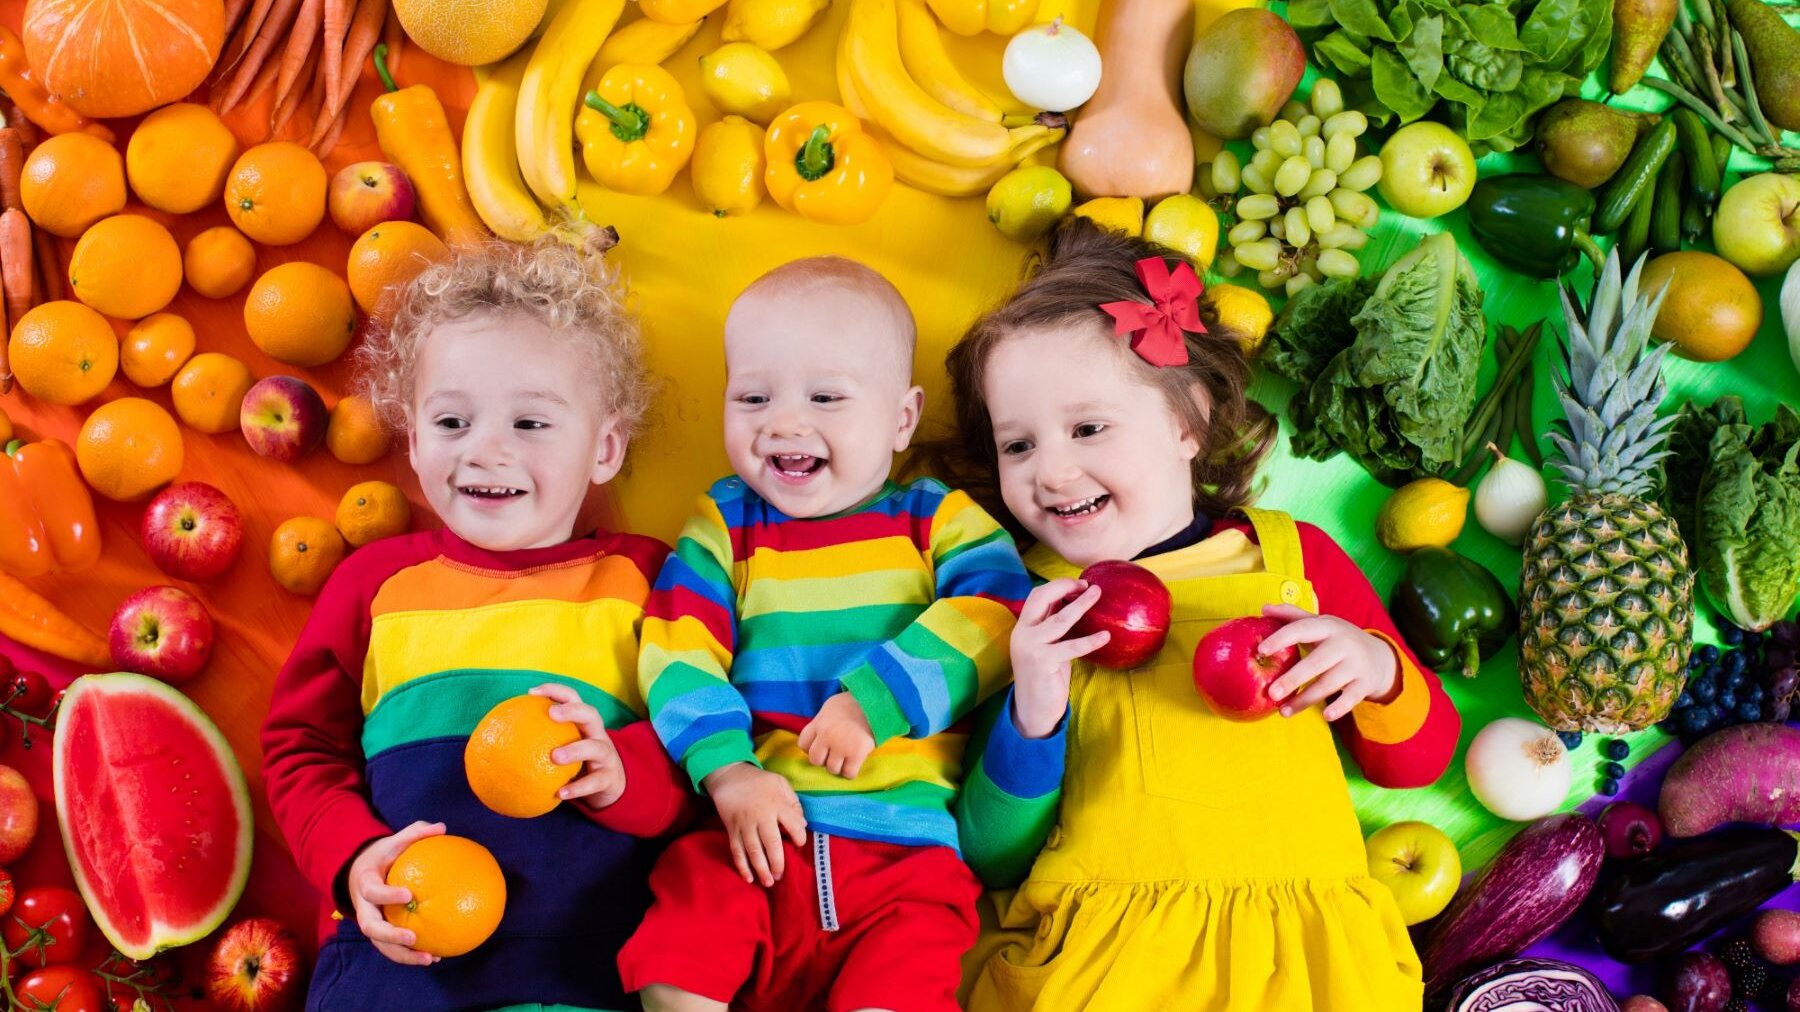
1696	150
1636	178
1665	217
1694	219
1635	236
1721	148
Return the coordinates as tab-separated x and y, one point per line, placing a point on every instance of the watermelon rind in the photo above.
162	936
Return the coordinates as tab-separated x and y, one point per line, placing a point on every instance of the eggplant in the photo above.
1520	984
1666	901
1532	886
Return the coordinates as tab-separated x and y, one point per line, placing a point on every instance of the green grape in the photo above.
1284	139
1293	111
1335	263
1322	181
1342	235
1247	231
1277	277
1320	214
1224	176
1314	150
1349	121
1266	162
1327	98
1293	176
1353	207
1308	125
1298	283
1340	153
1259	206
1255	180
1278	226
1362	174
1261	255
1227	265
1297	232
1259	138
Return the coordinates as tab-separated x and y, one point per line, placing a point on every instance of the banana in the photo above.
771	24
544	122
490	157
925	58
678	12
643	41
972	17
871	46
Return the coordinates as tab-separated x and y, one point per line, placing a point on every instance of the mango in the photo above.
1242	70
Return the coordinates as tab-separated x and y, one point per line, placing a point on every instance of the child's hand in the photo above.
756	806
604	781
838	738
1041	657
1354	664
369	892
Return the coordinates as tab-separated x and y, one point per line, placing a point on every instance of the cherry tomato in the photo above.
64	988
6	891
60	913
29	693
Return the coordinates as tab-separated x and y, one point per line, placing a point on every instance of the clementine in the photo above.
6	428
156	348
300	313
276	193
372	510
303	553
458	894
126	266
218	262
178	157
388	256
355	435
209	392
508	757
63	352
128	448
71	181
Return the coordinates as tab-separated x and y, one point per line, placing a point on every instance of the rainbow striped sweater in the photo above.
907	602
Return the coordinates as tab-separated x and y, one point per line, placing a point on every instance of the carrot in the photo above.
12	164
26	617
265	79
337	25
49	264
15	261
15	118
329	141
240	42
359	42
393	36
280	17
234	9
291	104
299	54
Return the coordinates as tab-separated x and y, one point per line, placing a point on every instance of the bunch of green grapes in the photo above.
1302	211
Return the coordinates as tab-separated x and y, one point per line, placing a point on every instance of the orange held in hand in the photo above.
276	193
126	266
71	181
388	256
218	262
129	448
209	392
508	757
178	158
300	313
156	348
458	894
63	353
372	510
355	435
303	553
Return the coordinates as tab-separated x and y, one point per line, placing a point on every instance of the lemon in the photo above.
1121	214
1186	225
1429	511
1025	203
1244	312
744	80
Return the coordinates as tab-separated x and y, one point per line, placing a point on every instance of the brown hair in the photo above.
1087	265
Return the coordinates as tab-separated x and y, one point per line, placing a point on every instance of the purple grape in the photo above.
1778	657
1785	681
1785	632
1780	710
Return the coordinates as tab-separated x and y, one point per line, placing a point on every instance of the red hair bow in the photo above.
1156	329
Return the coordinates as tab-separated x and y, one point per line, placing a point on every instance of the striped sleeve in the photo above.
1010	797
955	653
684	662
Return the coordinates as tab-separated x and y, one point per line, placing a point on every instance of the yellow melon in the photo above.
469	32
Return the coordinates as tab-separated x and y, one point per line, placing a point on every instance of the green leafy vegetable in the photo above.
1387	367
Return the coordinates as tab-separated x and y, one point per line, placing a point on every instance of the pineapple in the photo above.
1606	596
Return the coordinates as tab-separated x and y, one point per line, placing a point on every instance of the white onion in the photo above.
1051	67
1518	769
1509	499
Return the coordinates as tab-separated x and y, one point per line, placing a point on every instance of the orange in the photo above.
388	256
71	181
300	313
458	894
178	156
209	392
126	266
303	553
355	435
63	352
155	349
1712	310
218	262
128	448
372	510
508	757
276	193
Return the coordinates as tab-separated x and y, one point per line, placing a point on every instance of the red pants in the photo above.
905	916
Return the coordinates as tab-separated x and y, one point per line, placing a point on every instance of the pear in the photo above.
1242	69
1774	49
1638	30
1586	142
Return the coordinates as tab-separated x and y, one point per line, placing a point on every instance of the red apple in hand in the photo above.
365	194
192	531
255	967
282	418
18	815
1134	607
162	632
1232	674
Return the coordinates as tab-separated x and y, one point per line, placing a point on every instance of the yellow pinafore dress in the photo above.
1199	863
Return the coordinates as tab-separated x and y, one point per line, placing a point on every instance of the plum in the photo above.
1776	935
1697	982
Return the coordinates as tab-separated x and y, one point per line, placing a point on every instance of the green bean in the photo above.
1706	113
1527	431
1750	99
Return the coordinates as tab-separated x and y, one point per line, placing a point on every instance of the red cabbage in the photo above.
1531	985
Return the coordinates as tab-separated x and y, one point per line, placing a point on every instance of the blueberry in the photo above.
1753	694
1617	749
1612	771
1709	653
1727	701
1753	638
1705	690
1732	635
1694	720
1694	661
1712	671
1749	712
1685	700
1609	787
1733	661
1571	739
1734	679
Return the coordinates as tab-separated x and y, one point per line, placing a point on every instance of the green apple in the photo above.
1419	864
1426	170
1757	226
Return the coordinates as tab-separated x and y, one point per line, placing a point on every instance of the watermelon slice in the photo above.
155	815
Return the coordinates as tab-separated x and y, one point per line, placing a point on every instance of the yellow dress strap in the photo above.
1279	539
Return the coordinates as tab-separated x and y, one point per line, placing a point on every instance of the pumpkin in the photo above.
109	58
1132	139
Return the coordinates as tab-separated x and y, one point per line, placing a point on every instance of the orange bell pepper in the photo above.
823	167
46	512
411	129
27	617
38	105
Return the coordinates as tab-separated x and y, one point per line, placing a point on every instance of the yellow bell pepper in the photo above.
823	167
636	129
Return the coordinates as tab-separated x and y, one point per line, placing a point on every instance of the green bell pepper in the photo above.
1535	225
1452	610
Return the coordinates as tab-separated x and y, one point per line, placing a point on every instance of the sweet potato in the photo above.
1745	773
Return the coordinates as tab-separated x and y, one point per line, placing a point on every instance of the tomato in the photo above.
27	692
60	913
64	988
6	892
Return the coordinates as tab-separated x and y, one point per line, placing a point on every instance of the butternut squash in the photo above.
1131	139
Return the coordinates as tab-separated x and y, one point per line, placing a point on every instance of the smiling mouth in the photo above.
796	466
1080	508
490	492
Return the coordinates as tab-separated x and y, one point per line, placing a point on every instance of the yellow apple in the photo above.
1419	864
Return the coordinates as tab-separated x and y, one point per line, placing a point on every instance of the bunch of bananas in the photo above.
942	134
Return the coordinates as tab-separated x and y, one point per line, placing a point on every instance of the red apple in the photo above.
255	967
1232	676
1134	607
18	815
365	194
162	632
283	418
192	531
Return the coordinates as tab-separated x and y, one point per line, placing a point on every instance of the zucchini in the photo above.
1634	238
1665	215
1697	152
1636	178
1669	899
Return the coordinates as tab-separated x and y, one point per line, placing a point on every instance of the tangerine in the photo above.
276	193
178	157
355	434
303	553
219	261
300	313
508	760
372	510
128	448
71	181
156	348
63	352
209	392
126	266
458	894
388	256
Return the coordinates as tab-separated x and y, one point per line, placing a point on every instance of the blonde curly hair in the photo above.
574	292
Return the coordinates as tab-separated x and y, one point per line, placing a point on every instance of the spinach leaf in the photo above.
1483	68
1424	50
1397	88
1304	14
1362	17
1341	50
1493	26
